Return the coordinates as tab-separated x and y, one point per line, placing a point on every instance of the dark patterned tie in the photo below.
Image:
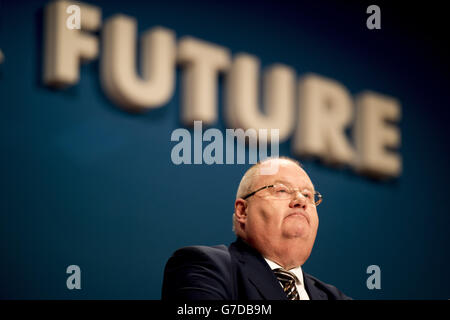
287	280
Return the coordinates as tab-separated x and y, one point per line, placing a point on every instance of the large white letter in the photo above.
372	134
325	110
242	105
65	47
118	64
203	61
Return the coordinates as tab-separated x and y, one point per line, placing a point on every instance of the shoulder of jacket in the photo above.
219	251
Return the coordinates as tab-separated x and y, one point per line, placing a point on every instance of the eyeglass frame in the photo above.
319	195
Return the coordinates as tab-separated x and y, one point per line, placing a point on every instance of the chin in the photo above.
300	229
300	233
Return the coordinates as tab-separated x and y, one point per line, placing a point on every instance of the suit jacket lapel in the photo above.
258	272
314	293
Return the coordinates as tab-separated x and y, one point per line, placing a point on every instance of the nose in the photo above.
299	201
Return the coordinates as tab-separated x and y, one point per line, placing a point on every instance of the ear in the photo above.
240	210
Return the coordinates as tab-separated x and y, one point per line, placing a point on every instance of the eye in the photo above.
307	194
281	189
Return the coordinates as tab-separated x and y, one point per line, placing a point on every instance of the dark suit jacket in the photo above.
238	272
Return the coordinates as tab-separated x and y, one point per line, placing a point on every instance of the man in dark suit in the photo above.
276	223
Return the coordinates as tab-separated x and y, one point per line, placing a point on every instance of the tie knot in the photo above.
287	281
284	275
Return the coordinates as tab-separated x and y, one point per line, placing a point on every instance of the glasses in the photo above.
283	192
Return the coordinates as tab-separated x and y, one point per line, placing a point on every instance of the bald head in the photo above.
266	167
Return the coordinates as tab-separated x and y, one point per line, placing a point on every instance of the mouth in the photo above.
298	214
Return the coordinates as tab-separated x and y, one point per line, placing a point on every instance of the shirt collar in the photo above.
296	271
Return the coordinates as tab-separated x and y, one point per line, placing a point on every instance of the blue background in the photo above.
85	183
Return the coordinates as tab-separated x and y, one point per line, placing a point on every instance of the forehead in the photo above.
288	172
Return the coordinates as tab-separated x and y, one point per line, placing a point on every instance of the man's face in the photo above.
269	221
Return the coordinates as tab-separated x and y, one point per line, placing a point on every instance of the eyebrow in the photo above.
290	184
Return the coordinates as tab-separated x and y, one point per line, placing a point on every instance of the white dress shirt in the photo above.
297	272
